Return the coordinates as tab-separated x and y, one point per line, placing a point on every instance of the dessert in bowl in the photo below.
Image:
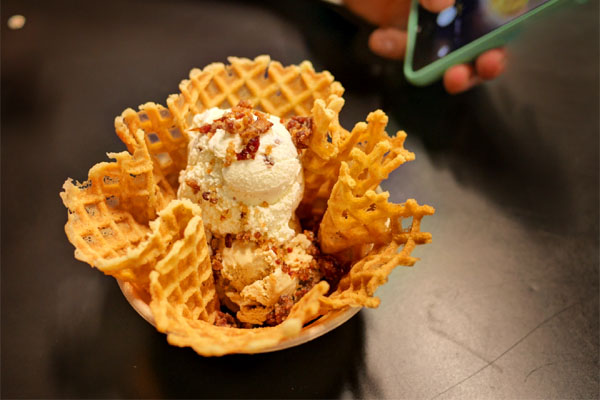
243	214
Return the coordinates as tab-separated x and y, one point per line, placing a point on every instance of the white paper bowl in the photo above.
311	331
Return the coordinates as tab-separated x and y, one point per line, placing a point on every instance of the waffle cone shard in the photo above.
185	274
209	340
269	86
356	215
162	136
358	287
367	274
329	145
109	213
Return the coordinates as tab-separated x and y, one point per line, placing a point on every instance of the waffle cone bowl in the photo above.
127	221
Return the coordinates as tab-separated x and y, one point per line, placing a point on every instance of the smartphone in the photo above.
461	32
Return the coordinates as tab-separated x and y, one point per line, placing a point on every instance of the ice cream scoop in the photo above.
241	193
253	278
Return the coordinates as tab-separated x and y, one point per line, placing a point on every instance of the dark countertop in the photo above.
503	304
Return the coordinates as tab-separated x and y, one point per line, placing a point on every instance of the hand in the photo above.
389	40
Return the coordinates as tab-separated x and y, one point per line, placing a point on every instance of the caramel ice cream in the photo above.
244	171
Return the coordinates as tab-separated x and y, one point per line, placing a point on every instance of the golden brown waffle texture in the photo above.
126	221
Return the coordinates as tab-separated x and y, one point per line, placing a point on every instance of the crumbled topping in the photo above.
247	123
193	185
249	151
230	155
210	197
224	215
300	128
243	236
268	160
216	264
280	311
216	261
224	319
331	270
244	212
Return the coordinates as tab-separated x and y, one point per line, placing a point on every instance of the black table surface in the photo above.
503	304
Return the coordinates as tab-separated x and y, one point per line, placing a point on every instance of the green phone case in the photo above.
495	38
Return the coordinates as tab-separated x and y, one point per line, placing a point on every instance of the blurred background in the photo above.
504	302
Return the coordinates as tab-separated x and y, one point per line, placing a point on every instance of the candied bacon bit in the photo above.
208	196
249	152
244	104
304	275
331	270
257	235
268	160
245	236
309	235
241	120
203	129
193	185
216	264
289	249
224	319
300	128
258	126
302	290
280	311
228	240
230	154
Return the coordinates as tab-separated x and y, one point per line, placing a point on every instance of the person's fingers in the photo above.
381	12
460	78
436	6
491	63
388	43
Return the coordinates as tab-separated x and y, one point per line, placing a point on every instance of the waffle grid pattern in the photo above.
185	274
165	141
356	214
329	145
210	340
108	213
357	288
270	87
113	216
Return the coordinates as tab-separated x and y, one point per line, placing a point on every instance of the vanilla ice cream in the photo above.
245	173
252	195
